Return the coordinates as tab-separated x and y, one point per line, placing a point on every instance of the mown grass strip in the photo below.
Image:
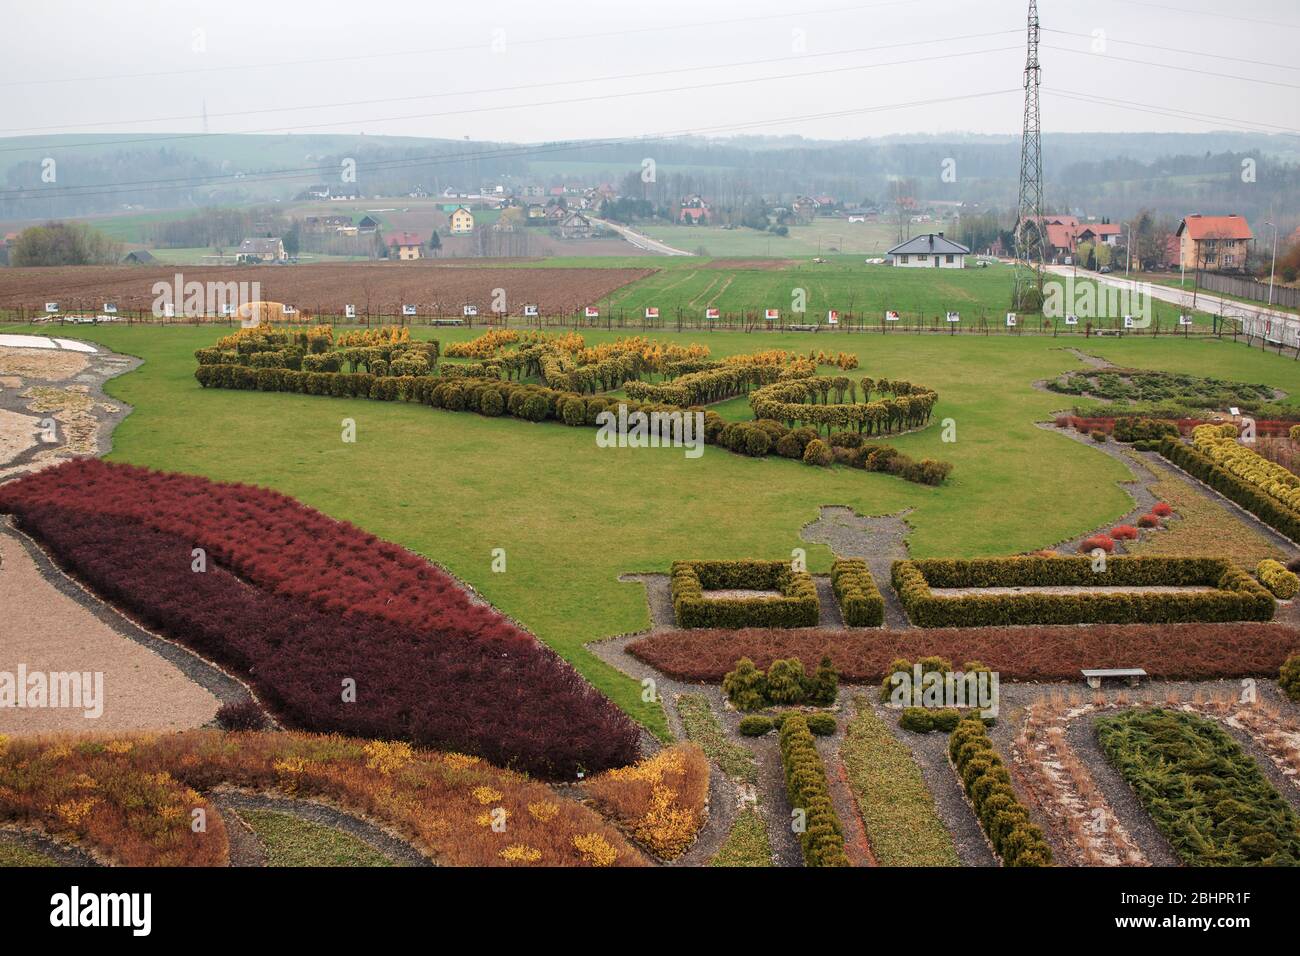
703	728
746	844
292	841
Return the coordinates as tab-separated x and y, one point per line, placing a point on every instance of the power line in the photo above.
501	89
461	48
108	189
595	97
1181	69
1183	11
1209	119
1174	49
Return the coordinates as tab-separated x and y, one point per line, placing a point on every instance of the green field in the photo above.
822	236
573	517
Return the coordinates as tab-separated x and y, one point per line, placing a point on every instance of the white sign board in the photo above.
530	310
891	316
1184	320
408	310
954	316
289	310
169	311
1071	319
110	308
471	310
1011	320
51	307
652	313
591	312
1128	321
833	317
771	314
712	313
349	311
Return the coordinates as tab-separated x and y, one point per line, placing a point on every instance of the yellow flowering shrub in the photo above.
72	812
595	849
486	795
519	853
387	756
543	811
659	801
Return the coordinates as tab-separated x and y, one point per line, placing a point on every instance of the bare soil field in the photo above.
380	286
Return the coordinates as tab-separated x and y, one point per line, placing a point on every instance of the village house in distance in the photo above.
1218	243
930	251
260	250
461	221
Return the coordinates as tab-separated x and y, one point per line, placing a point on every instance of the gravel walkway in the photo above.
879	540
61	853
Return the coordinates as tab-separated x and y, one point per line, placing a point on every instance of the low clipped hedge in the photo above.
860	600
1273	575
1263	506
796	607
987	783
1236	595
1288	677
822	841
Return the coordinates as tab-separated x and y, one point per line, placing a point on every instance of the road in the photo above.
642	241
1205	301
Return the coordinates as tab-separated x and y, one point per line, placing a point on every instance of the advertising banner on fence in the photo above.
652	313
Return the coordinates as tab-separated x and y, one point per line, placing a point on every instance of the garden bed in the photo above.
796	603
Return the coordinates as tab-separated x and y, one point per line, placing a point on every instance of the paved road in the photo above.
1205	301
642	241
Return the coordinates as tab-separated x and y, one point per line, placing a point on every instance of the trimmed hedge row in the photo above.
1273	575
1288	677
860	600
797	607
1262	505
822	840
1237	596
988	785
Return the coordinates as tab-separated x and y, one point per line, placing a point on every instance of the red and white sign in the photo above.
591	312
891	316
772	314
712	313
652	313
833	317
1011	320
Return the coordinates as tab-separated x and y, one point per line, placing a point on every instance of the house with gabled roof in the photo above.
1218	243
929	251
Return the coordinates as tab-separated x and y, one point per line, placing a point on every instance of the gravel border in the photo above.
63	854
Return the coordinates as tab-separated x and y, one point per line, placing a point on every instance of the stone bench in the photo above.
1095	677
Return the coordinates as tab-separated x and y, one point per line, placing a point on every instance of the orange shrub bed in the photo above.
661	801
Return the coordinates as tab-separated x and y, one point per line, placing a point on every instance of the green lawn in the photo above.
573	517
293	841
822	236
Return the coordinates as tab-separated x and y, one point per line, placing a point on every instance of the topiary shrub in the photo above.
916	719
491	403
1288	678
1161	509
1099	436
755	725
1281	582
822	686
1124	532
757	442
574	412
1148	521
746	686
988	784
817	453
786	681
1091	544
822	725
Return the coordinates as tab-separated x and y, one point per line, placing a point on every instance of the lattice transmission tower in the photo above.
1030	252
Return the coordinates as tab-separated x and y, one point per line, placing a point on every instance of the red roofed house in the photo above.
1060	236
1107	232
1213	242
693	210
407	245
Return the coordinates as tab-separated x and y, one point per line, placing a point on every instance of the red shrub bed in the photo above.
1161	509
1166	651
1088	545
1148	521
469	681
1124	532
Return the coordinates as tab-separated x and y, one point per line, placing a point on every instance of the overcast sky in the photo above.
495	69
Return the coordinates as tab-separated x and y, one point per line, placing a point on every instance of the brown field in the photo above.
379	288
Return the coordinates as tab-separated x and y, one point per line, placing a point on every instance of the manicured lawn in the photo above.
292	841
573	517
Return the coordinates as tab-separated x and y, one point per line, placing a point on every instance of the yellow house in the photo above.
405	246
1216	243
462	222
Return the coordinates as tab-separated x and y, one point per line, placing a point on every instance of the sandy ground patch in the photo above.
1104	589
17	435
48	631
46	364
739	595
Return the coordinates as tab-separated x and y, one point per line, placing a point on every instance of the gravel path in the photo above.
61	853
879	540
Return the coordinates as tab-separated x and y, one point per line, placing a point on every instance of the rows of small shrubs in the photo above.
1273	575
988	785
756	725
1236	596
1143	429
860	600
822	840
1207	796
1263	506
784	683
797	606
919	715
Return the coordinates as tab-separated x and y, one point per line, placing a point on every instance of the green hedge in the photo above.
860	600
1237	596
1283	584
1208	797
797	607
988	785
1267	509
822	841
1288	678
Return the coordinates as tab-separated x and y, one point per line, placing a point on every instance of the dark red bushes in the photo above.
450	675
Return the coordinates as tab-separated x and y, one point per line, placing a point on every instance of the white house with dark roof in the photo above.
930	251
260	250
